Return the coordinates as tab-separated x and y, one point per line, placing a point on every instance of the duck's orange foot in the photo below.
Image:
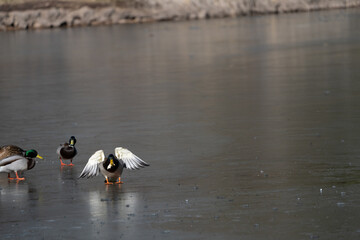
70	164
61	162
107	182
17	178
119	182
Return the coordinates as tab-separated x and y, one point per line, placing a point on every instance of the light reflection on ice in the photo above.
112	203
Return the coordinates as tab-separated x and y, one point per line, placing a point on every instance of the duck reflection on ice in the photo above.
16	199
110	210
67	173
112	203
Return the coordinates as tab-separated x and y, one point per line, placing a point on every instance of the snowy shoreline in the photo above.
159	10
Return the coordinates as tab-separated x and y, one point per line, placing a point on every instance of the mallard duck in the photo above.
15	159
67	151
112	166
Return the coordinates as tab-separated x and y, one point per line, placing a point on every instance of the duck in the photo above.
15	159
112	166
67	151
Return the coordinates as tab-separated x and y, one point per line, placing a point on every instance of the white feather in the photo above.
131	160
92	167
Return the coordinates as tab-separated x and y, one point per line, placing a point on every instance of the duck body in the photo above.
16	163
111	167
67	151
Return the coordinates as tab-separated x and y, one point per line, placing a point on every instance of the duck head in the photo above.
111	162
32	154
72	141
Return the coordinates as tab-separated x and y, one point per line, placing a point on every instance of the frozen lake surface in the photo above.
251	127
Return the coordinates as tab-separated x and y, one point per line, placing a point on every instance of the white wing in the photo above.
131	160
92	167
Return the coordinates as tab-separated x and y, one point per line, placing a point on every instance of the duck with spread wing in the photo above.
112	166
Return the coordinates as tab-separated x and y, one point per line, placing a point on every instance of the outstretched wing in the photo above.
92	167
11	159
131	160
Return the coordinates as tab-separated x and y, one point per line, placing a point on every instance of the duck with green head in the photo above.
14	159
67	151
